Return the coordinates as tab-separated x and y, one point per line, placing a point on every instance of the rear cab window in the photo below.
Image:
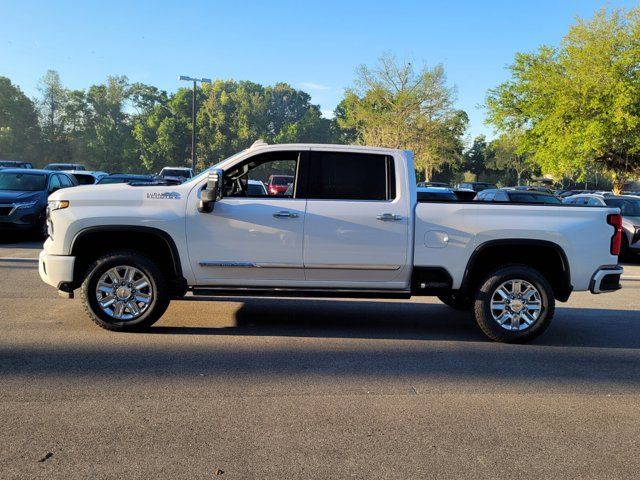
350	176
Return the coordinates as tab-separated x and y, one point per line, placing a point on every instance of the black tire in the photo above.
41	231
456	301
491	283
156	307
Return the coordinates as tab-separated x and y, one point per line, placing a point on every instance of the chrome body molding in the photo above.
315	266
343	266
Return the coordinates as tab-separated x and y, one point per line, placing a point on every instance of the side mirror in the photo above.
212	192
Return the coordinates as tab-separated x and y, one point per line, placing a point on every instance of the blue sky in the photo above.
313	45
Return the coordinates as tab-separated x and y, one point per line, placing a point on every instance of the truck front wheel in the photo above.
124	291
514	304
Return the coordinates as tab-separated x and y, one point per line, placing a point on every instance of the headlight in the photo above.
57	205
25	205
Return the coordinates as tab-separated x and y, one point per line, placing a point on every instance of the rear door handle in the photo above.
389	217
284	214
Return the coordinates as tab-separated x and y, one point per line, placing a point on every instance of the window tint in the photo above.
351	176
65	181
55	183
594	202
275	171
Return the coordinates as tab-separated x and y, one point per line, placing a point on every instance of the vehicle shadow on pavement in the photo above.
571	327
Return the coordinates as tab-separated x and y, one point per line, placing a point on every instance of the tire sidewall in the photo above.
482	305
125	259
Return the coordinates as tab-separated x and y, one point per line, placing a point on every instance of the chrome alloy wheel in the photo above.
516	305
124	292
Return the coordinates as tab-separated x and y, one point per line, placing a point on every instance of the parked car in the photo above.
61	167
436	194
517	196
256	188
533	188
176	175
569	193
629	206
354	227
476	186
23	197
465	195
433	184
278	184
129	178
87	178
15	164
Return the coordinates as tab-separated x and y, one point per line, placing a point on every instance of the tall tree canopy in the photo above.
394	105
578	104
19	129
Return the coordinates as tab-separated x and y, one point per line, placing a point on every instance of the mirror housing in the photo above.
212	192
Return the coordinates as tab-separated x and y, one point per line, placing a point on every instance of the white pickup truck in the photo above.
350	225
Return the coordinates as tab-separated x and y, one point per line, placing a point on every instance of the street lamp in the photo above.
193	115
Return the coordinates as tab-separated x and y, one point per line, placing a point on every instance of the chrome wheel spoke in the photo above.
129	273
515	322
133	308
107	301
113	276
118	309
140	284
143	297
104	287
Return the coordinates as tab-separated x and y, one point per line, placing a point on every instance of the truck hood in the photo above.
119	194
11	196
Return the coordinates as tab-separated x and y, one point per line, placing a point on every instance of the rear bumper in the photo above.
56	270
606	279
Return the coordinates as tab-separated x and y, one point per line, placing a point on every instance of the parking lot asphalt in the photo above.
293	388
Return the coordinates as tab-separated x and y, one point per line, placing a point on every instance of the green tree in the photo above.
393	105
508	153
52	106
20	136
578	104
108	134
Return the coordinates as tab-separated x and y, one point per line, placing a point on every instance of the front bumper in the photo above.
21	218
606	279
56	270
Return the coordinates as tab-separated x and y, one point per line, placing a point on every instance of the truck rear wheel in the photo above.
514	304
124	291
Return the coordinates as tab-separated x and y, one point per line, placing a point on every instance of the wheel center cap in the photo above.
516	305
123	293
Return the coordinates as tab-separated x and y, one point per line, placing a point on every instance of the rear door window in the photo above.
350	176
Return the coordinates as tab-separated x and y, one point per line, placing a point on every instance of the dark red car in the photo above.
278	184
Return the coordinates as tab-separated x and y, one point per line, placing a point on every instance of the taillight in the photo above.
615	220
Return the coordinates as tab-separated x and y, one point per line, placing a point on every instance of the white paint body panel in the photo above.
327	233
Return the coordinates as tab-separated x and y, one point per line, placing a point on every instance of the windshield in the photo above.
533	198
23	182
174	172
220	164
629	207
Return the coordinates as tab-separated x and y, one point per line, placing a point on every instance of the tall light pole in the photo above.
193	115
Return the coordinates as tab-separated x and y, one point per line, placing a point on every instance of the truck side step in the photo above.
298	292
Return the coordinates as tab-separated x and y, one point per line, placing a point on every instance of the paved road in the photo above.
272	388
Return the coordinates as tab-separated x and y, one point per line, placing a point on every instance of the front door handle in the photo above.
389	217
284	214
